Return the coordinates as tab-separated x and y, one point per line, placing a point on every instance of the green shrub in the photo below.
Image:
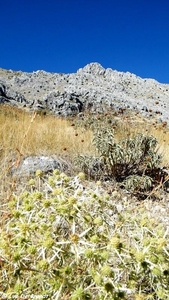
127	157
137	183
59	240
133	161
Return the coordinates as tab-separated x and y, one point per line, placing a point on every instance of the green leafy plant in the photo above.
134	161
136	155
136	182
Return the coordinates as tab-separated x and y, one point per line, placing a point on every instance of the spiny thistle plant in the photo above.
59	240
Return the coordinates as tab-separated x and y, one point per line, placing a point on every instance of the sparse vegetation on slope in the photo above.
64	237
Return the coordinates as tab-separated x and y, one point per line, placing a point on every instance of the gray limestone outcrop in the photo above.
9	96
61	103
33	163
91	87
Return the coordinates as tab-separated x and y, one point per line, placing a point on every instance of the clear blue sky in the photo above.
65	35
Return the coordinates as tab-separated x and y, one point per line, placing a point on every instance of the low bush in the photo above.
134	161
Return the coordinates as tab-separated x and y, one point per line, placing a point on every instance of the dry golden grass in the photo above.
23	134
33	134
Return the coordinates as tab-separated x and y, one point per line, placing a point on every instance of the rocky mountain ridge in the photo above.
91	87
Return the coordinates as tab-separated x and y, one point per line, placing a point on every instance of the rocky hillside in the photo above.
91	87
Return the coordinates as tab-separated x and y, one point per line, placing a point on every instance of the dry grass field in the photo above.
34	134
24	134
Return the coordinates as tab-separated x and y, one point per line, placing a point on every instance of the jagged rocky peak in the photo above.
97	70
92	68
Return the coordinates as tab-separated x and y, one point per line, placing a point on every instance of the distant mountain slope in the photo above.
90	87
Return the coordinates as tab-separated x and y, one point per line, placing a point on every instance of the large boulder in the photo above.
33	163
